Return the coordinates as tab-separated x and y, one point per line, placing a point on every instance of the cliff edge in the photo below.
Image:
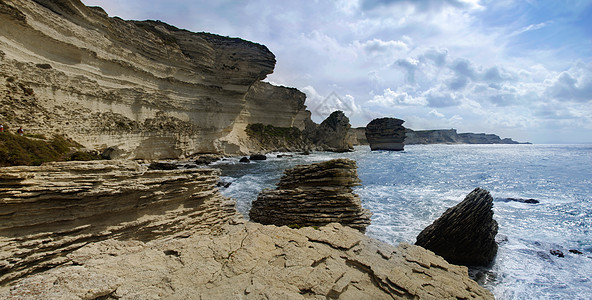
146	88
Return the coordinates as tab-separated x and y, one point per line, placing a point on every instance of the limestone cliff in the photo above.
450	136
357	136
437	136
147	88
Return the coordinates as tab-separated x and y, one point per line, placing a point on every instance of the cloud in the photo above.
380	46
439	97
394	98
417	59
437	56
573	85
410	66
435	113
528	28
322	106
422	5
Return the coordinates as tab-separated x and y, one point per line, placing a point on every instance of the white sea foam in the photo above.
406	191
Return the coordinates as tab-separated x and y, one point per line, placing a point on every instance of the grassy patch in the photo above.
22	150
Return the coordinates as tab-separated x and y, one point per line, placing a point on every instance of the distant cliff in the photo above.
450	136
438	136
149	89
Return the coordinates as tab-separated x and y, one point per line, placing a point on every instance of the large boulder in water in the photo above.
465	233
386	134
314	195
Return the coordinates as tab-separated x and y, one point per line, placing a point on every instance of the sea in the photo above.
406	191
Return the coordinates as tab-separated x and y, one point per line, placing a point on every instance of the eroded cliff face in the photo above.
147	88
47	212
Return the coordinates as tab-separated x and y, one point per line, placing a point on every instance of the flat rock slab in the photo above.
253	261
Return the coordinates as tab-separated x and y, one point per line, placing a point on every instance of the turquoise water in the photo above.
406	191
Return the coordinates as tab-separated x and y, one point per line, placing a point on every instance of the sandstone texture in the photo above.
332	134
357	136
142	89
386	134
116	230
253	261
450	136
49	211
465	233
314	195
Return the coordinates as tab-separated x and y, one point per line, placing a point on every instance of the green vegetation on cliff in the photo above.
36	149
272	137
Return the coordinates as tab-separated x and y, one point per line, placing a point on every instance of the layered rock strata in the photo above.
253	261
143	89
332	134
386	134
357	136
313	195
465	233
47	212
111	230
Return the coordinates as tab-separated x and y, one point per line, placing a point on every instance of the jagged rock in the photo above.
313	195
520	200
332	134
465	233
557	253
386	134
49	211
223	184
253	261
258	157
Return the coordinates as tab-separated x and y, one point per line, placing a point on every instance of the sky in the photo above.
519	69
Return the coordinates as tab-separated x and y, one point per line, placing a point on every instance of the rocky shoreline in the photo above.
137	92
187	240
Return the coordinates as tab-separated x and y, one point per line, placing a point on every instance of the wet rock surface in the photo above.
464	234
